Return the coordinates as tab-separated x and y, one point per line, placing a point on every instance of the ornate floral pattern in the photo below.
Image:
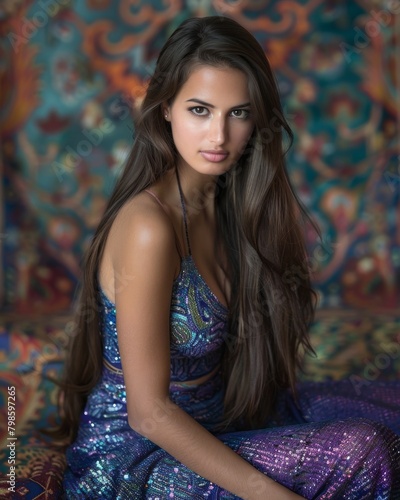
75	72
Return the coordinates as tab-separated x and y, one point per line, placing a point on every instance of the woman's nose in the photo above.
217	130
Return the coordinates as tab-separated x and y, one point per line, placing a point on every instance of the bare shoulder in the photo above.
143	220
141	230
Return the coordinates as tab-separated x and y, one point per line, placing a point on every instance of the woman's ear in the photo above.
166	111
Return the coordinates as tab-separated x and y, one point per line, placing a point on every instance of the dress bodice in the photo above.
198	321
198	326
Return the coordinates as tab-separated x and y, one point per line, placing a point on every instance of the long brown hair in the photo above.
259	219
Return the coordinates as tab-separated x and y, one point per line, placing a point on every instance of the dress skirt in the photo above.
338	442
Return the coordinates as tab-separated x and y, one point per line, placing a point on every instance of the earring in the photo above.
166	115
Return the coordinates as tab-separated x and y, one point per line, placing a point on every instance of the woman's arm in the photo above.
143	252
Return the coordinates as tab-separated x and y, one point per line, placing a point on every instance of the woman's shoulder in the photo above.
143	219
141	232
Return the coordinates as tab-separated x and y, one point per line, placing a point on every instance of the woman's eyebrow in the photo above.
199	101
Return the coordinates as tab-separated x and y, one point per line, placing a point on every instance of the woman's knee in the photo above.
370	443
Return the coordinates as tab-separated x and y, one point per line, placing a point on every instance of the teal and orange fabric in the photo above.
74	74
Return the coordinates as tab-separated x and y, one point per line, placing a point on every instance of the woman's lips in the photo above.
214	156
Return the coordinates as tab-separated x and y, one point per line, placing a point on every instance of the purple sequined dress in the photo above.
339	444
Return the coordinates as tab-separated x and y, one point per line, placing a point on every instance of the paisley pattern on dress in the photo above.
324	448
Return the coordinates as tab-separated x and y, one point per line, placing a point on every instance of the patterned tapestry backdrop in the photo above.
73	72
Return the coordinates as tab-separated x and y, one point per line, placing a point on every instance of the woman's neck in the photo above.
199	191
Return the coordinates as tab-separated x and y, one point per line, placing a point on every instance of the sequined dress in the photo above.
339	444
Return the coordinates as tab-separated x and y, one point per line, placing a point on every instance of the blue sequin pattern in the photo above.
198	325
324	448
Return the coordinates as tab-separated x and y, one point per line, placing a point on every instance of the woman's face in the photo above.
211	119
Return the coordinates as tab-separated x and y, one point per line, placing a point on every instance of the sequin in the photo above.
323	448
326	449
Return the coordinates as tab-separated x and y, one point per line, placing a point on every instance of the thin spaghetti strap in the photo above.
156	198
184	211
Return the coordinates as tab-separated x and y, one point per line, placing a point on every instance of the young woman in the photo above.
181	377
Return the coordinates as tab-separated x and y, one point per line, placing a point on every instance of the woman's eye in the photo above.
198	110
241	113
